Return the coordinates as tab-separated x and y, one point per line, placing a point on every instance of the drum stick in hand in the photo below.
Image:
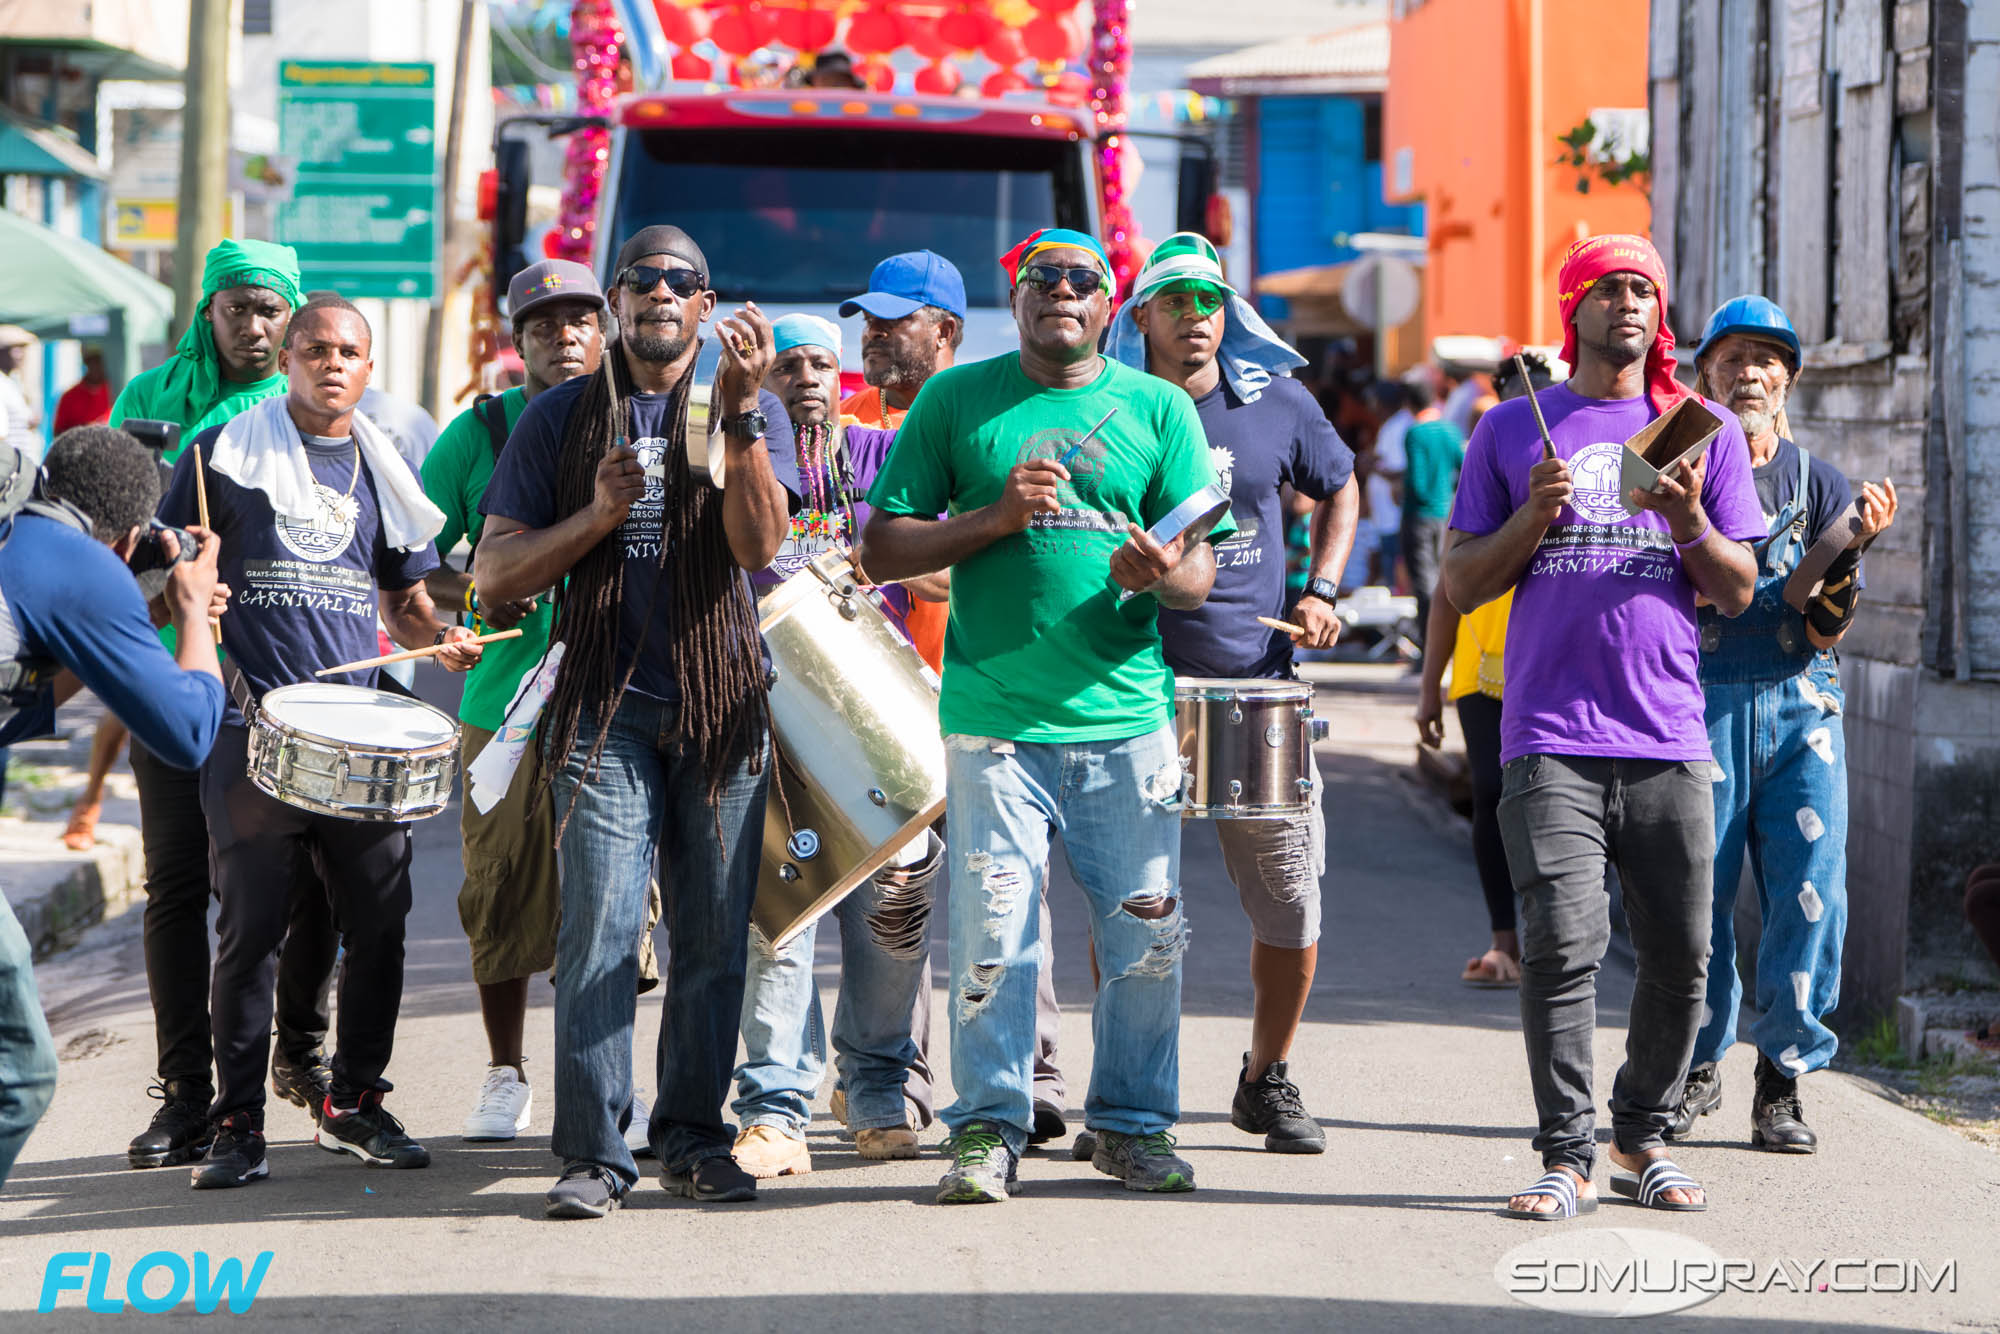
1528	386
1277	624
201	508
409	653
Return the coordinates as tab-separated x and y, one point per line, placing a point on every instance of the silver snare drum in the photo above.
352	752
1246	746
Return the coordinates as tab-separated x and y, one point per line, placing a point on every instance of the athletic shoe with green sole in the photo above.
984	1170
1143	1162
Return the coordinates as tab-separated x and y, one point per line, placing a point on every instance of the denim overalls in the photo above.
1774	705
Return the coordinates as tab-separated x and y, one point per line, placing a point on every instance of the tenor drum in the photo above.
859	771
1246	746
352	752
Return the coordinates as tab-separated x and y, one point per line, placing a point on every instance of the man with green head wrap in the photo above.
228	358
226	362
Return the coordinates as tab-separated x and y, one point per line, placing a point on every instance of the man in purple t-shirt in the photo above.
1603	741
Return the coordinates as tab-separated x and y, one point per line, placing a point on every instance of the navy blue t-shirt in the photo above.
524	488
75	602
1281	439
1827	489
302	596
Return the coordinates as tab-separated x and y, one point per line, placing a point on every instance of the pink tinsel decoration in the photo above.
594	38
1110	64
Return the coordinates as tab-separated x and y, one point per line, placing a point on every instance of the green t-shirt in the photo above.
455	473
141	399
1039	648
1436	452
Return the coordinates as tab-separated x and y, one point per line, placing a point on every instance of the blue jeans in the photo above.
884	969
647	799
1117	804
27	1053
1783	795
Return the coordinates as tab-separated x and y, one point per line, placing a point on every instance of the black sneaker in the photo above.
369	1133
1084	1147
180	1132
1777	1119
1701	1095
235	1158
1143	1162
715	1180
984	1170
1270	1106
1049	1123
305	1082
587	1190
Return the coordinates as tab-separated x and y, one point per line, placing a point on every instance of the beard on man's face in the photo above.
647	344
894	372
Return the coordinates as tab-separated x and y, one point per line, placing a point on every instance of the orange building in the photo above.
1480	92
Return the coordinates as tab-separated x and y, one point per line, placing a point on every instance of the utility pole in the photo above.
204	151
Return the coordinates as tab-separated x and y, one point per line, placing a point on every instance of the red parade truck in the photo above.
795	194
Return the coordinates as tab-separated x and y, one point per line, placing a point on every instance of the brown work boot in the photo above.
886	1142
766	1151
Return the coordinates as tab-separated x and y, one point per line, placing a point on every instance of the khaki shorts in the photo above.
511	902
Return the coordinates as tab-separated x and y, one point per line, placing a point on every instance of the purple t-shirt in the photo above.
1602	644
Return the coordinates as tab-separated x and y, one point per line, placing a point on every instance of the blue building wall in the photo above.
1316	180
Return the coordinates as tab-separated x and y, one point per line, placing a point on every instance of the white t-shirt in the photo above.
413	429
21	420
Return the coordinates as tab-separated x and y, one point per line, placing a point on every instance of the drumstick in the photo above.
409	653
1277	624
201	508
1521	369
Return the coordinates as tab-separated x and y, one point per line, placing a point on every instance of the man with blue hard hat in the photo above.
1771	684
915	321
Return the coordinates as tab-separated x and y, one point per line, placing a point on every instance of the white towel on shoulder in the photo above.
261	448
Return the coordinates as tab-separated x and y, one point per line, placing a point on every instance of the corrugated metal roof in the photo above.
1207	23
1354	58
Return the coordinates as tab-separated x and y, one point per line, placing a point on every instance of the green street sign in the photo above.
364	212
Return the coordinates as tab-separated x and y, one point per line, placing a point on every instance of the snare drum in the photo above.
354	753
1246	746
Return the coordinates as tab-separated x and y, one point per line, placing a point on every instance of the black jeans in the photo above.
260	843
175	837
1479	723
1423	547
1564	817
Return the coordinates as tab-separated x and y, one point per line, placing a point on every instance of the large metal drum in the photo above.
860	764
1246	746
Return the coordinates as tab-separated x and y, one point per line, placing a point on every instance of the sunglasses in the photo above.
1043	277
1176	305
640	279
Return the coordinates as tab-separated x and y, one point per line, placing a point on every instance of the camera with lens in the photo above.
151	565
159	436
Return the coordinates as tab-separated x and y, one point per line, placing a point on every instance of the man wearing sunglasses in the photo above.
1265	433
655	734
1057	703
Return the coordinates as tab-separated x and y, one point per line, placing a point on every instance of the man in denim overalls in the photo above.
1772	683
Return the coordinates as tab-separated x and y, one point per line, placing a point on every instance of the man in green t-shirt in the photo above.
510	901
1057	705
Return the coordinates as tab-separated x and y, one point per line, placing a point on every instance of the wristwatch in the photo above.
751	425
1325	590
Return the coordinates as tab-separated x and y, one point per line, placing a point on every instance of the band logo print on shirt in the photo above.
327	533
1594	479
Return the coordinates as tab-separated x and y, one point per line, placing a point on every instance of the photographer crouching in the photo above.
72	614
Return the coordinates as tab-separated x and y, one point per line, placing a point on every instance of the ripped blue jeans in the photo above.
1117	805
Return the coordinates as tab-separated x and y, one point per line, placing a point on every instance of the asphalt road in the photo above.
1418	1079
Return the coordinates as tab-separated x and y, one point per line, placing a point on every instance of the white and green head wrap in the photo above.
1251	355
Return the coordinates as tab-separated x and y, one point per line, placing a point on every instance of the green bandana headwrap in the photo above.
189	387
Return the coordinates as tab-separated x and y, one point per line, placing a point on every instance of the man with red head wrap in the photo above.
1603	739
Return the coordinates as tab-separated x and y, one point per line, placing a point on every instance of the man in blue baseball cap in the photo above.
914	312
1771	689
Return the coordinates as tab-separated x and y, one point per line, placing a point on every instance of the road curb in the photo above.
86	888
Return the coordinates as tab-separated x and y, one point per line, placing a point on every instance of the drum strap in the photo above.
239	689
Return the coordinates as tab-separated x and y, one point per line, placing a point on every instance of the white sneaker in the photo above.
502	1110
635	1133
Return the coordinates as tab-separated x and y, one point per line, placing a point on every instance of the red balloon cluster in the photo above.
937	30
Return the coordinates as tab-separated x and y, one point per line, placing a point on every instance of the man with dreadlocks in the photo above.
655	735
884	946
1057	703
